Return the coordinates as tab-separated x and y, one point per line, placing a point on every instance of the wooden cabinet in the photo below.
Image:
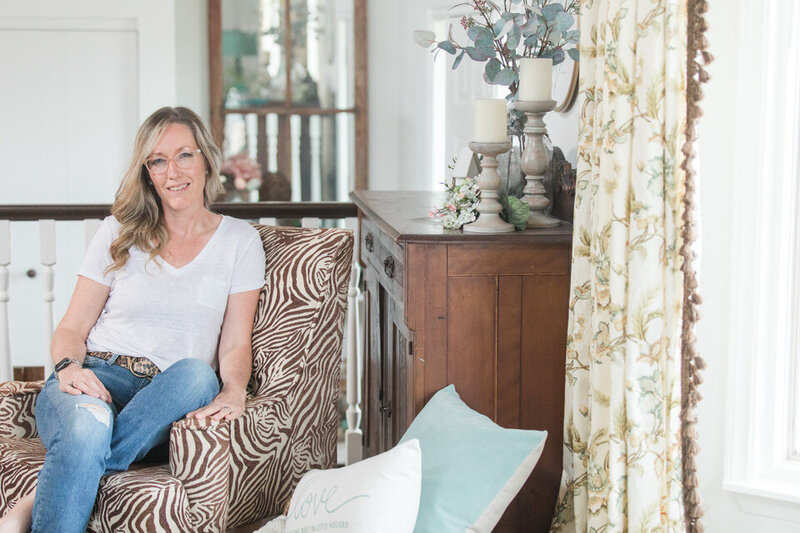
487	313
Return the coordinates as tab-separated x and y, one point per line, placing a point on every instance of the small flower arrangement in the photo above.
460	204
243	171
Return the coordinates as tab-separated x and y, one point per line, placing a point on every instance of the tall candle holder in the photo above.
535	161
489	208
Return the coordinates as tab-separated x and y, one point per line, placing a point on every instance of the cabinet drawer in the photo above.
380	253
479	260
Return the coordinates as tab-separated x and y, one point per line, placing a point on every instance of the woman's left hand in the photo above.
229	404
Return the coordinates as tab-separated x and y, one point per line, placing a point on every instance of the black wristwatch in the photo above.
64	363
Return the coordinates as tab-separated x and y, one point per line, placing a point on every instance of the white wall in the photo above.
399	84
65	105
191	56
400	94
724	116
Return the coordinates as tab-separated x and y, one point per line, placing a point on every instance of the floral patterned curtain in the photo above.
622	445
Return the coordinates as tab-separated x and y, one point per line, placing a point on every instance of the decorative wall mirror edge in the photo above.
284	111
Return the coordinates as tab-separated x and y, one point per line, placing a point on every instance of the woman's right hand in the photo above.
76	381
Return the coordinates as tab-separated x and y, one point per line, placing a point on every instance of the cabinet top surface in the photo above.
403	215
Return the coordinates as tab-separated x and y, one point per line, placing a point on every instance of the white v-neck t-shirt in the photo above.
166	314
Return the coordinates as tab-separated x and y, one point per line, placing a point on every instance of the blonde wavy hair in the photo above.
137	206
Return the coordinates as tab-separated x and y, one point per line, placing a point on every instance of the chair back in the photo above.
300	315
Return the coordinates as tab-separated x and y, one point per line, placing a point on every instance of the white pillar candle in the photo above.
535	79
490	121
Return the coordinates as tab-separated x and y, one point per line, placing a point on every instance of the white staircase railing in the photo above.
311	215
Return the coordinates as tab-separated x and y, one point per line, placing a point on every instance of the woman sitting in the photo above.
166	295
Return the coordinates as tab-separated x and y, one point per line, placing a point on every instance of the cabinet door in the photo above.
373	363
387	374
401	378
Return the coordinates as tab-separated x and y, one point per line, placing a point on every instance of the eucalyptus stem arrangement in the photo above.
502	35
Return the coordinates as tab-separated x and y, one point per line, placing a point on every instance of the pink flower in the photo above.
242	169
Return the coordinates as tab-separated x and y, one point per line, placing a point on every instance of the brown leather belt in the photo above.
140	366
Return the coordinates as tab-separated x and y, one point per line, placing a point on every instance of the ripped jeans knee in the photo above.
101	413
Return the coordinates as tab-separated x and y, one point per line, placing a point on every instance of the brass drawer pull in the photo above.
368	242
388	266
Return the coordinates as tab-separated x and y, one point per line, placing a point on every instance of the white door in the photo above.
68	112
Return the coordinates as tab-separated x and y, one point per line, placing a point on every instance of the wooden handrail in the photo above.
323	210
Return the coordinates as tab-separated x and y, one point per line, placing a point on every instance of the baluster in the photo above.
268	221
6	370
272	143
47	248
295	177
310	222
90	227
318	191
353	434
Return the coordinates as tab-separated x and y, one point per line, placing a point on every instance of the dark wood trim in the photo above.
284	110
323	210
28	373
215	102
360	25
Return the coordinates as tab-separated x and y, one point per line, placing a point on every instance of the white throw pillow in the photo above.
376	495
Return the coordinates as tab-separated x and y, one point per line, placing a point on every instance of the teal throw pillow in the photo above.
471	467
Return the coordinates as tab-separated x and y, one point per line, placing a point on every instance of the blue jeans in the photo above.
86	437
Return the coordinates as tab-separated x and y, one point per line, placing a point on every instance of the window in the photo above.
288	88
763	412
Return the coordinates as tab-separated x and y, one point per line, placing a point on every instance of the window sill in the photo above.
772	497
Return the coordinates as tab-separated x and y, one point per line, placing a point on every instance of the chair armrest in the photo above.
221	464
199	457
17	408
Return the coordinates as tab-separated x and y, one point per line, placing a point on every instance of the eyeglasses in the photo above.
185	159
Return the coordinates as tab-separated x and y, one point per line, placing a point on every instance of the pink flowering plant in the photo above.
460	204
243	173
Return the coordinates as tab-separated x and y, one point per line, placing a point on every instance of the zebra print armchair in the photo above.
228	474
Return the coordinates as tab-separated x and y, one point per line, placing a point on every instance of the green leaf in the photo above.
574	54
448	47
516	211
492	68
501	27
458	60
512	41
551	11
558	57
485	47
477	55
477	33
564	21
505	77
572	36
424	38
